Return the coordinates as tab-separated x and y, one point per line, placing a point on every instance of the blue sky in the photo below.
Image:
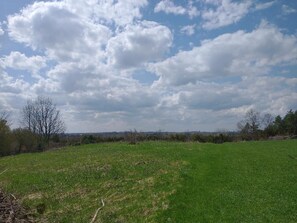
149	65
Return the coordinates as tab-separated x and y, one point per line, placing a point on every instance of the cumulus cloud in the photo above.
89	50
120	13
78	78
233	54
274	95
10	85
213	97
51	26
169	7
138	44
108	102
192	10
88	55
124	99
17	60
67	36
94	89
188	30
193	104
225	13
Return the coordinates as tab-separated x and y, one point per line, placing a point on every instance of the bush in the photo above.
88	139
132	137
5	138
25	141
179	137
197	137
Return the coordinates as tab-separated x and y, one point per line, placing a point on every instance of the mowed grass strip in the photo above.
158	182
237	182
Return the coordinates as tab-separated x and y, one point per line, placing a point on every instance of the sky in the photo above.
159	65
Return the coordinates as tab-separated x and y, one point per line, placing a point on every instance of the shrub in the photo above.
25	141
88	139
132	137
5	138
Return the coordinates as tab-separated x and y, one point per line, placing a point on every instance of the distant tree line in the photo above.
42	128
135	137
254	126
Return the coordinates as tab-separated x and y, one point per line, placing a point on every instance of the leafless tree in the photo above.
4	117
267	120
251	123
42	117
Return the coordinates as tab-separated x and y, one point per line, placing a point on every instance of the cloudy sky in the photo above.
114	65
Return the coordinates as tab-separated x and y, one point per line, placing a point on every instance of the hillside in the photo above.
157	182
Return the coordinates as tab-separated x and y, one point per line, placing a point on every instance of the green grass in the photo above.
158	182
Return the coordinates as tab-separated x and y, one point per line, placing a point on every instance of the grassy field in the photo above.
158	182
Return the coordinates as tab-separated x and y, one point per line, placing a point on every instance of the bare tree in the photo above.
252	121
250	126
42	117
27	116
267	120
4	117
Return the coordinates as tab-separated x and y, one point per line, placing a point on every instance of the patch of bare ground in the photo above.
11	211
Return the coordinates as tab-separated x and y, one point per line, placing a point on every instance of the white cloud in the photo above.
234	54
10	85
213	2
1	30
139	44
71	77
265	5
169	7
120	13
88	56
104	99
54	28
94	89
192	10
212	96
17	60
224	103
224	77
91	49
66	36
270	94
188	30
288	10
225	13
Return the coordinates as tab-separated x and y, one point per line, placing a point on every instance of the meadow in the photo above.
157	182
